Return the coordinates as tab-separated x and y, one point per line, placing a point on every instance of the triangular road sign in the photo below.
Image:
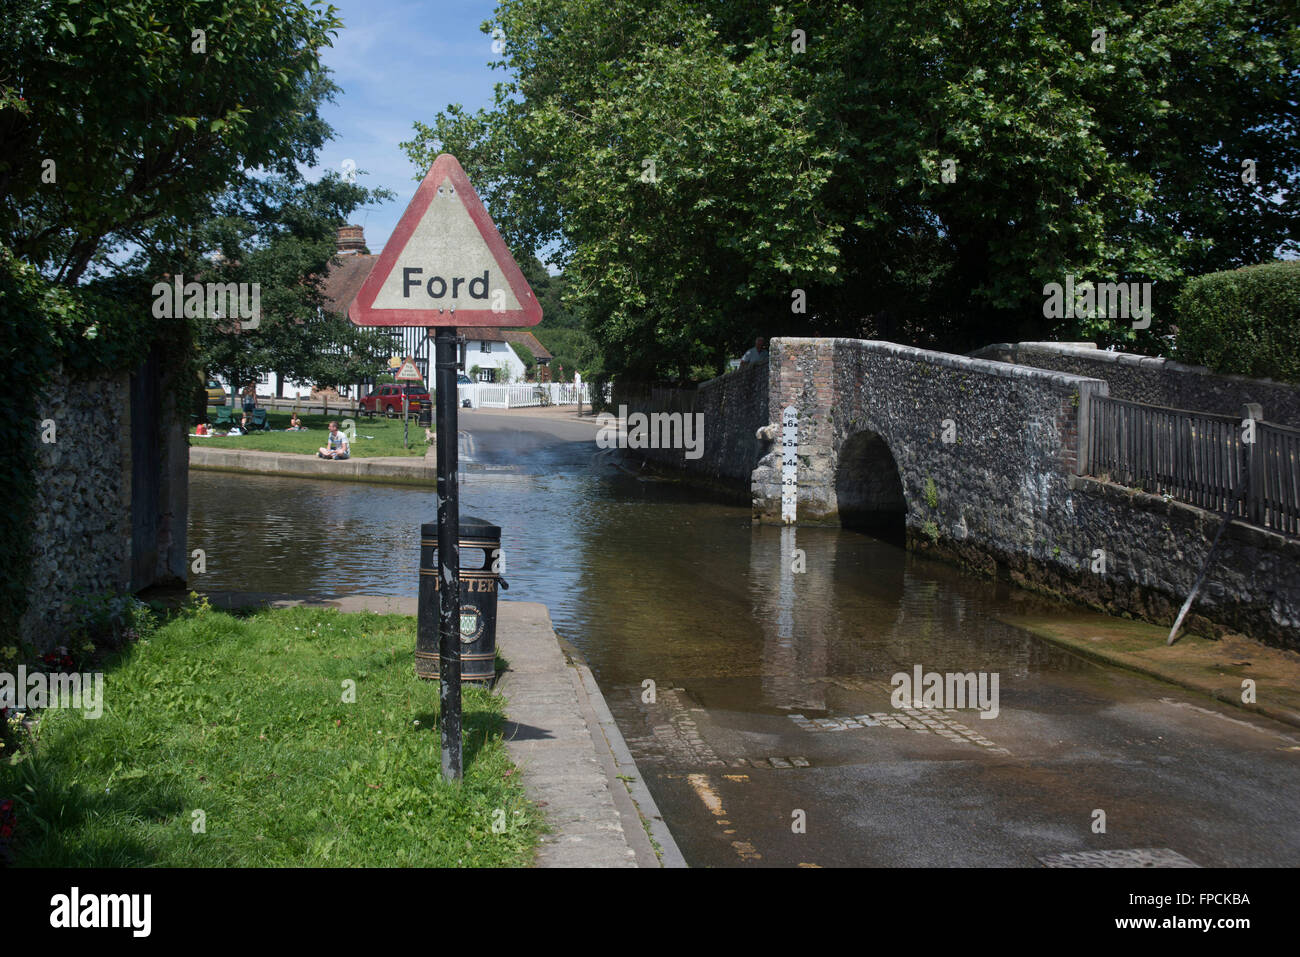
446	264
408	371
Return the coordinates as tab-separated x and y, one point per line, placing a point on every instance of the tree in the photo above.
281	236
706	170
526	357
120	116
561	330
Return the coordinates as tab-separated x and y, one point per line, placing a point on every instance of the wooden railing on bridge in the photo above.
1198	458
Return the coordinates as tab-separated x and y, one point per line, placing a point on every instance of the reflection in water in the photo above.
647	579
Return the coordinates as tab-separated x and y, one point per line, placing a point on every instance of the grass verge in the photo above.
230	742
374	436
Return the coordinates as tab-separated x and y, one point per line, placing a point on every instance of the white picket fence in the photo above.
484	395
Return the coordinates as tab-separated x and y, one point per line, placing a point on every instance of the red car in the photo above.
388	399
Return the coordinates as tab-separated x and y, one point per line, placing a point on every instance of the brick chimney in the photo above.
352	240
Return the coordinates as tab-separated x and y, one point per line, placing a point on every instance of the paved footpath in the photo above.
559	730
574	760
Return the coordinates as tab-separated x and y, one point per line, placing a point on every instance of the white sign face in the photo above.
409	371
446	264
789	463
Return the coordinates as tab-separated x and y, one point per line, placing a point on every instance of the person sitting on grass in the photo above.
336	446
295	424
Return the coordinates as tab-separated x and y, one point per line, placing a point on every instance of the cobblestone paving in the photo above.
1137	857
673	735
923	720
667	732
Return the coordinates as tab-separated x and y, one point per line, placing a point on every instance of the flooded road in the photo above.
756	697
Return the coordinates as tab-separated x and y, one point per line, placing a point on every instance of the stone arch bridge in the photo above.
981	462
945	447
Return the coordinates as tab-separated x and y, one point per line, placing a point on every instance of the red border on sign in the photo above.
362	313
409	360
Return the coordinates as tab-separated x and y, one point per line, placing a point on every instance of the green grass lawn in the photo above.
377	436
244	720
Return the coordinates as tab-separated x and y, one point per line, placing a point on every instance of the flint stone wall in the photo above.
82	536
1003	498
1157	381
1014	434
734	407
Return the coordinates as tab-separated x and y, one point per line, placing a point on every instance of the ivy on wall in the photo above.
98	329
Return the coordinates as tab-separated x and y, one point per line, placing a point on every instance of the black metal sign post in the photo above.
448	554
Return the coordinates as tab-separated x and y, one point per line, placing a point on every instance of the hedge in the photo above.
1244	322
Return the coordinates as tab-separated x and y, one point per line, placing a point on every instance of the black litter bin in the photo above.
480	542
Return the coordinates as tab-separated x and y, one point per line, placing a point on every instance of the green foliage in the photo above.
931	493
550	291
823	170
525	355
144	130
1243	322
561	330
574	349
121	129
281	235
106	620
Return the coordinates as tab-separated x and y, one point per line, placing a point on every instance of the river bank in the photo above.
733	680
575	765
380	468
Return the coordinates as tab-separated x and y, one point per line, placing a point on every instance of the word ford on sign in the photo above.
411	279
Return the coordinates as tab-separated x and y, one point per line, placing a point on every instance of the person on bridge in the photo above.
336	447
755	355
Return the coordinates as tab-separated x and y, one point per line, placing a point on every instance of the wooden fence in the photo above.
1198	458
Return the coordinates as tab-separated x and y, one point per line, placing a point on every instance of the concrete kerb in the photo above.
623	768
391	469
571	754
576	766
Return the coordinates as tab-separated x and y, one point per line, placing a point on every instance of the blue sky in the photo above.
399	61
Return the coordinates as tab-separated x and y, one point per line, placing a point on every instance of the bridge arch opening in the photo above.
868	488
